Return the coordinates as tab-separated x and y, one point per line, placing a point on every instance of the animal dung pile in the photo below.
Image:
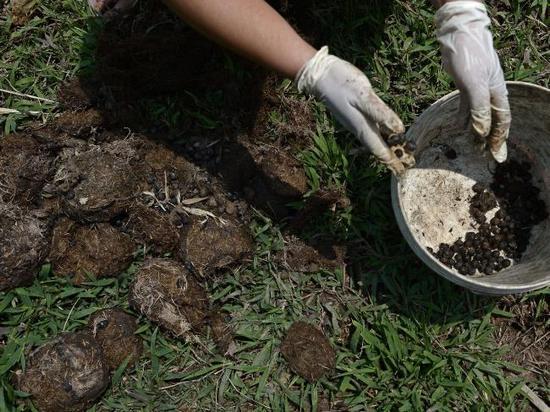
308	351
67	374
114	330
515	206
24	244
167	293
71	372
81	251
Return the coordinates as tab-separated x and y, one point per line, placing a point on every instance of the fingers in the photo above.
374	109
370	136
500	128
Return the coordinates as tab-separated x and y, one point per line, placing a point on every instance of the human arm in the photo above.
470	58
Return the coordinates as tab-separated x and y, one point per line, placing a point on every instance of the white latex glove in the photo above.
348	94
470	58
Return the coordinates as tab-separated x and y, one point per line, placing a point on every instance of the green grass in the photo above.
406	340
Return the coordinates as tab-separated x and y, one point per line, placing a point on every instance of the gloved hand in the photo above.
470	58
110	8
348	94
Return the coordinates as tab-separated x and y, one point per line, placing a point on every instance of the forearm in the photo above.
249	27
439	3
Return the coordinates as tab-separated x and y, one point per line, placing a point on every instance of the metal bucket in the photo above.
430	201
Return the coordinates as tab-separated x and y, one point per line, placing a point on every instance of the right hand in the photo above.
348	94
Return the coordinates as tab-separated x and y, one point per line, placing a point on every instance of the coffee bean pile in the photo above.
506	235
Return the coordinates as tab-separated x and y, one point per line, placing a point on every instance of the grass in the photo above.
406	340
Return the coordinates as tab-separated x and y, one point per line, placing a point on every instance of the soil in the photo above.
301	257
308	352
74	94
81	124
114	330
25	167
157	231
65	375
525	334
82	251
213	245
24	244
97	183
503	239
169	295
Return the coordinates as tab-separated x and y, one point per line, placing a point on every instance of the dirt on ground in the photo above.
525	334
84	124
308	351
89	251
222	332
65	375
170	296
24	244
21	11
114	330
213	245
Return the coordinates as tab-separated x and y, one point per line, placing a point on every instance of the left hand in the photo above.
470	58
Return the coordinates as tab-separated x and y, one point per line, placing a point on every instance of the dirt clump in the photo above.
21	11
299	256
66	374
25	167
308	351
169	295
153	229
75	94
24	244
114	330
213	245
97	183
97	250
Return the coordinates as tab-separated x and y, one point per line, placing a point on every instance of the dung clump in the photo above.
169	295
81	251
308	351
25	167
97	183
222	332
298	256
211	245
503	239
114	330
65	375
154	229
81	124
24	244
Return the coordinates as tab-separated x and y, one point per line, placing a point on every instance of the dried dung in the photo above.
212	245
114	330
308	351
24	244
65	375
301	257
169	295
81	251
82	124
222	332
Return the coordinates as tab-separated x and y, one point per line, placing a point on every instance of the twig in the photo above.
535	400
69	315
28	96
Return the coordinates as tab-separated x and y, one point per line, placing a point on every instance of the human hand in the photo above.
348	94
470	58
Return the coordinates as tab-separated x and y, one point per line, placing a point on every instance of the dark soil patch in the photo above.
81	251
506	236
153	229
24	244
301	257
74	95
97	183
169	295
25	167
210	245
114	330
308	351
65	375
